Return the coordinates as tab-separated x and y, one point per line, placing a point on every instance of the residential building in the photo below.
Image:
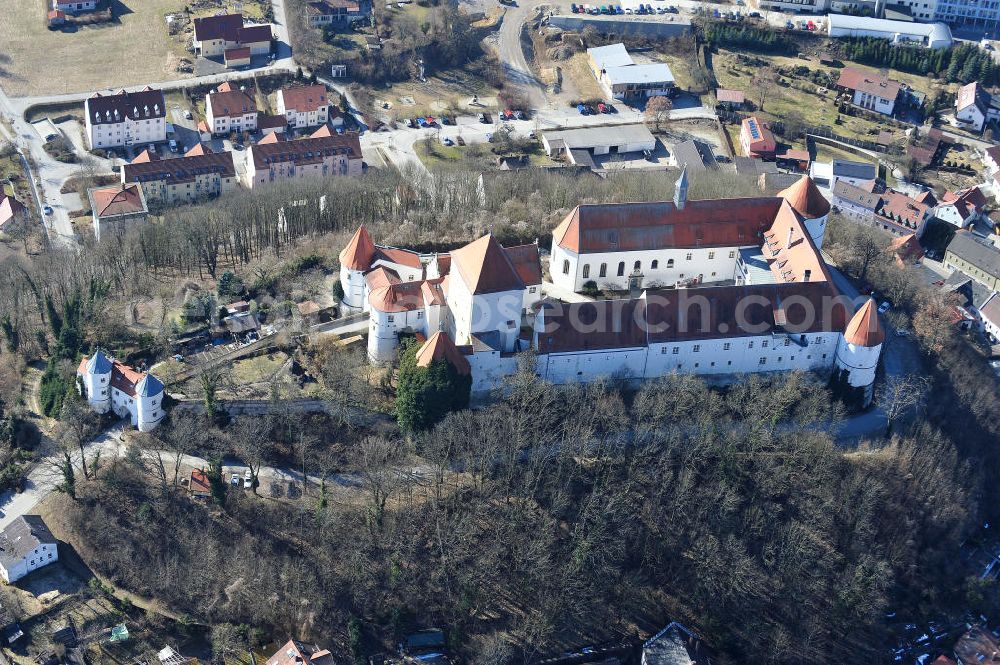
214	35
125	118
74	6
975	257
622	78
870	90
756	139
906	250
975	107
239	56
931	35
230	109
990	315
726	254
733	100
12	213
277	158
599	140
859	174
927	148
977	647
962	208
333	12
887	210
117	208
304	105
674	645
199	174
26	545
694	155
295	652
109	385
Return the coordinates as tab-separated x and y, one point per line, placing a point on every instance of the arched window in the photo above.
670	263
566	266
637	266
604	270
621	268
654	265
586	271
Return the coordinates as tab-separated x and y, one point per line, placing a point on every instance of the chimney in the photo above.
806	275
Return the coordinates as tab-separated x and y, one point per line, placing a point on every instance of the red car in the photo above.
601	108
810	26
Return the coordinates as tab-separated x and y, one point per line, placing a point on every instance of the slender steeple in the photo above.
681	189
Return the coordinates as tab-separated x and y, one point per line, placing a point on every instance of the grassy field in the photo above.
789	99
260	368
136	49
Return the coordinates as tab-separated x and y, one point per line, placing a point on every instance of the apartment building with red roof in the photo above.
117	208
230	109
214	35
304	105
756	139
198	175
276	158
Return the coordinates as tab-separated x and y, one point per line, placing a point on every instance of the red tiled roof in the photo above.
901	209
990	310
124	378
433	291
441	347
967	202
230	28
402	297
304	98
10	208
907	248
864	328
199	482
665	316
730	96
381	277
117	200
871	83
199	149
238	53
622	227
403	257
328	7
805	198
790	252
145	156
758	137
181	169
526	262
268	121
485	267
966	96
231	103
359	251
304	151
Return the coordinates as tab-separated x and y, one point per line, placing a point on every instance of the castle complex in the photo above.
109	385
714	287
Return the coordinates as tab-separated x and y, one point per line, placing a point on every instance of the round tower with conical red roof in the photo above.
355	260
813	208
859	349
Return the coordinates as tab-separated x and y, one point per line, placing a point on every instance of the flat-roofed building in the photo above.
599	140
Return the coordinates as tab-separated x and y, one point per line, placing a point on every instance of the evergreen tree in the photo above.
424	395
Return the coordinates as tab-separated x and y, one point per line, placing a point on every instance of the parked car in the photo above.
610	108
187	115
572	7
902	332
581	109
247	479
789	25
519	115
754	14
235	480
447	141
489	137
173	145
601	108
531	134
482	117
884	307
409	123
810	25
48	210
628	10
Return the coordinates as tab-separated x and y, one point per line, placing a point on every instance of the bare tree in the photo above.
249	438
764	81
899	394
658	111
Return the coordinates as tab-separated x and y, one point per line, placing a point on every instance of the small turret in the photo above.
681	189
95	374
813	208
355	260
859	349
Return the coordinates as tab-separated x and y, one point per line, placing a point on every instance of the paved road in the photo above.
512	55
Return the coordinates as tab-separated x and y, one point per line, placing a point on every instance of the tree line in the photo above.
962	63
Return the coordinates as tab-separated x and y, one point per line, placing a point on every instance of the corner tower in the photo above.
858	351
805	198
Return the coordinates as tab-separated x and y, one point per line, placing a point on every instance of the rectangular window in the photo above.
764	344
732	254
391	318
711	255
725	347
532	289
697	348
787	342
677	350
688	256
763	361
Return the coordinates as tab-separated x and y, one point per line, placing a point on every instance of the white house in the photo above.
125	118
962	208
975	107
991	159
622	78
990	315
230	109
869	90
26	545
107	384
74	6
304	105
756	295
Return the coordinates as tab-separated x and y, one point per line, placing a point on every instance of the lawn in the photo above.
260	368
799	97
135	49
